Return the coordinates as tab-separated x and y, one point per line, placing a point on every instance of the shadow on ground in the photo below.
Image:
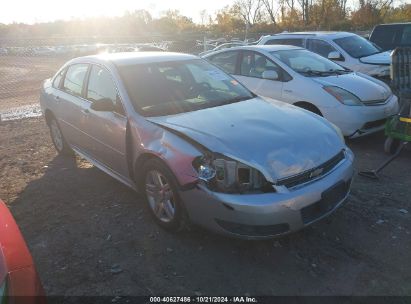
90	235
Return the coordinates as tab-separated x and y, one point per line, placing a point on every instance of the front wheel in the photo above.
57	138
161	193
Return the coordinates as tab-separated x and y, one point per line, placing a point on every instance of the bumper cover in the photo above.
356	121
265	215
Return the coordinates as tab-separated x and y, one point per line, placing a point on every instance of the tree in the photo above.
269	6
248	10
228	21
173	22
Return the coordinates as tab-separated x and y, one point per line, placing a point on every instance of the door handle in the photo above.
57	98
288	91
86	111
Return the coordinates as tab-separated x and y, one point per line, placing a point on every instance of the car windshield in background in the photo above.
308	63
357	46
167	88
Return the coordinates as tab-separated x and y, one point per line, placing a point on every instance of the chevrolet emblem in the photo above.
316	172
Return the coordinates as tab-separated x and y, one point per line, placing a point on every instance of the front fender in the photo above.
175	151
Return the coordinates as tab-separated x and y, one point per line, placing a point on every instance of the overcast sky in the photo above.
31	11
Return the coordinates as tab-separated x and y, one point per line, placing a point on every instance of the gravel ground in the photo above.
90	235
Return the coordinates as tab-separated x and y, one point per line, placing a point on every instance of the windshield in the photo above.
167	88
308	63
357	46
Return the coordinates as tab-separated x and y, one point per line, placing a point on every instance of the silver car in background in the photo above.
198	144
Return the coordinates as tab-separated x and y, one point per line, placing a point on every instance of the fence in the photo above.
401	69
26	63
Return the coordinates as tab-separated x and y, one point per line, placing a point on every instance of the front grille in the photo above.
311	174
253	230
374	124
329	200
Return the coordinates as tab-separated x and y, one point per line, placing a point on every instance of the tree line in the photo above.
247	17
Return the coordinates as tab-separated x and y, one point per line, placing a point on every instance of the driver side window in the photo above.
101	86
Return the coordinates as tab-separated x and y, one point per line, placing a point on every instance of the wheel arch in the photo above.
308	106
48	115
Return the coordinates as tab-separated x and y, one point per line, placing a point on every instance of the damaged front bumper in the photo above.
266	215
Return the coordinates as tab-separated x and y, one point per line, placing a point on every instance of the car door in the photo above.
252	65
106	129
71	105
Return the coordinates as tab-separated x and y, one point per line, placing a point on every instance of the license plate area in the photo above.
329	200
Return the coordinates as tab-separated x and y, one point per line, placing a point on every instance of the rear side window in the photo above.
320	47
384	34
74	80
406	36
290	41
57	79
227	61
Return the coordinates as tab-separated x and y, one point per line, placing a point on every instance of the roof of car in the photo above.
397	23
272	48
130	58
267	48
313	33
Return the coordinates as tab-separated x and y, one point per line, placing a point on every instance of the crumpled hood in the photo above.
380	58
364	88
278	139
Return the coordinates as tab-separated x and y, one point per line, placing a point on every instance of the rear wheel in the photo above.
58	139
161	193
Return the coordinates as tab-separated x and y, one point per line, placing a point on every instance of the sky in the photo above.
33	11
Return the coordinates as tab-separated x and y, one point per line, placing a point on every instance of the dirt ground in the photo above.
21	78
90	235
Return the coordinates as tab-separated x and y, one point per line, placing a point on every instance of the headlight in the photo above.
343	96
222	174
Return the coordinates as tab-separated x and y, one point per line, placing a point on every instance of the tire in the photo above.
391	145
164	204
58	139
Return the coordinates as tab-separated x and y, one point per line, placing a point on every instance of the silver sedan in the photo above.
197	143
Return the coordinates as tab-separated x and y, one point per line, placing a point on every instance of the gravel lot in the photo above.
90	235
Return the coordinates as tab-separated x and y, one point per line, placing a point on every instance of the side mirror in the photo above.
335	56
270	74
103	105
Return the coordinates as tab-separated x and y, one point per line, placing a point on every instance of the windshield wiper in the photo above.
316	73
233	100
341	72
324	73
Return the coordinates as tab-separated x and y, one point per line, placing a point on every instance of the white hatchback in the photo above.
357	103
